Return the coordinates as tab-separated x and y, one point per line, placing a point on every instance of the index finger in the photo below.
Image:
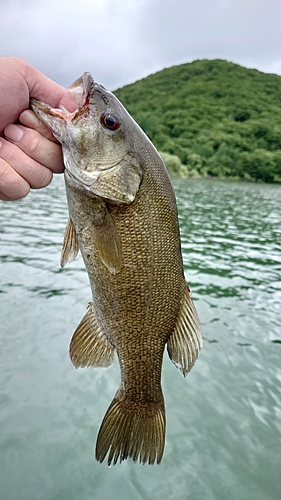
30	120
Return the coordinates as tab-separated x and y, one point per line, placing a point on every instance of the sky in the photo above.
121	41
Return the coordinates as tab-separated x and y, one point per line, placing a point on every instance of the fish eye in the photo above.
110	121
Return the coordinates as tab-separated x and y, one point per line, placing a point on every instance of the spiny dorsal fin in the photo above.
186	340
89	345
70	246
107	241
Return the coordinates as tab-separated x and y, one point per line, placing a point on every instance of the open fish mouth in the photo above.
81	90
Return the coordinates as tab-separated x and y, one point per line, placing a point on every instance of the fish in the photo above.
123	218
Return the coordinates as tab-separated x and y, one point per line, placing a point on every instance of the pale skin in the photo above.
29	154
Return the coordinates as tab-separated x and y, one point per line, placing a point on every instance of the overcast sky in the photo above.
121	41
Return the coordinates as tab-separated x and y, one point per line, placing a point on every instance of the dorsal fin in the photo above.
186	340
70	246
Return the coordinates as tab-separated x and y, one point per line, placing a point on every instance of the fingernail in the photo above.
13	133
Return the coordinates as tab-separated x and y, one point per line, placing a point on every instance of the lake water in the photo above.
223	437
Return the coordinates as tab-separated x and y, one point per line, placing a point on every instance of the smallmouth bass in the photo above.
123	218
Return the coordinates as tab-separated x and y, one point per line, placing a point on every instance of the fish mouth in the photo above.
81	90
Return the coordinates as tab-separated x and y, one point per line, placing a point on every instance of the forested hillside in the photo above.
211	118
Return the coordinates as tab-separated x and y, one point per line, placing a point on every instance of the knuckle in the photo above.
12	185
21	192
42	178
4	171
35	146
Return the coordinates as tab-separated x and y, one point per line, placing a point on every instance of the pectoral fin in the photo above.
107	241
186	340
70	246
89	345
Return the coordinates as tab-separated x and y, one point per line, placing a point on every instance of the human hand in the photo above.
29	154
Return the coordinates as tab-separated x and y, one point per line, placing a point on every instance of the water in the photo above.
223	421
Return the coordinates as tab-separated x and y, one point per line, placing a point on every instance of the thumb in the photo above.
44	89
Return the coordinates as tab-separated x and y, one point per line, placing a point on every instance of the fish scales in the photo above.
123	218
135	313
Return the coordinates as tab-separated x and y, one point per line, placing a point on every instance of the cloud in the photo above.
120	41
243	30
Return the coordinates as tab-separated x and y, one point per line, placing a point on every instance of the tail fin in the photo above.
132	430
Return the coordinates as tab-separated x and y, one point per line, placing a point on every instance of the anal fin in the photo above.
186	340
89	345
70	246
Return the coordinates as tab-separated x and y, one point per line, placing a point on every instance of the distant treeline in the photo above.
211	118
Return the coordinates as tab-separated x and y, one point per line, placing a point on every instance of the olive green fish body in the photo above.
123	218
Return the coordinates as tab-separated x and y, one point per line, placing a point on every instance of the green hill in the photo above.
211	118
